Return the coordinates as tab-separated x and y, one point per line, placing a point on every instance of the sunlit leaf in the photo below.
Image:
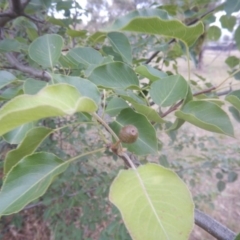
154	203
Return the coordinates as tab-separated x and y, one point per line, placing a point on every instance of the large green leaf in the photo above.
169	90
33	139
152	23
206	115
154	203
234	99
6	78
84	86
17	134
147	140
114	75
150	72
46	50
85	56
54	100
121	45
28	180
148	112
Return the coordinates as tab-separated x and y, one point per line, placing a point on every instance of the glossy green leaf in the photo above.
154	203
85	55
32	140
16	135
232	61
115	106
46	50
148	112
28	180
206	115
150	72
169	90
54	100
228	22
153	23
234	99
6	78
114	75
32	86
10	45
147	140
214	33
121	45
84	86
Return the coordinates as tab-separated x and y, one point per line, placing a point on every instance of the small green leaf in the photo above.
169	90
17	134
228	22
232	176
114	75
232	61
234	99
54	100
29	144
154	203
148	112
75	33
121	45
150	72
154	21
214	33
206	115
85	56
115	106
46	50
28	180
221	185
6	78
147	140
32	86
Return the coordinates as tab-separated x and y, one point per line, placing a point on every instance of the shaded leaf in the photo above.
169	90
21	186
6	78
232	176
221	185
237	37
154	203
114	75
231	6
147	141
130	96
121	45
235	113
206	115
75	33
32	140
46	50
32	86
234	99
54	100
10	45
115	106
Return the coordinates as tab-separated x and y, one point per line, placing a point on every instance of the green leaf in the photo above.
115	106
11	92
84	86
231	6
10	45
32	33
129	96
228	22
32	86
17	135
114	75
46	50
169	90
221	185
150	72
232	61
75	33
206	115
232	176
237	237
147	140
109	51
154	202
214	33
237	37
235	113
85	56
234	99
28	180
97	37
121	45
148	112
6	78
54	100
148	21
32	140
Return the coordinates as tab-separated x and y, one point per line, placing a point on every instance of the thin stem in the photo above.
99	119
125	155
230	76
188	62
